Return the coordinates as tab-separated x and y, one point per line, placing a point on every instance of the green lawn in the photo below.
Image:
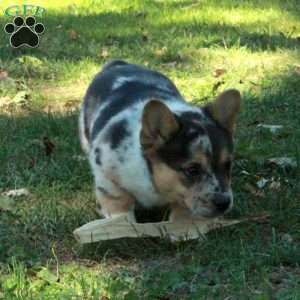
256	47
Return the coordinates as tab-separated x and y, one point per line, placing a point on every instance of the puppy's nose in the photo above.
222	202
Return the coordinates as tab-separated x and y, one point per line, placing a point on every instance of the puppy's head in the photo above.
190	154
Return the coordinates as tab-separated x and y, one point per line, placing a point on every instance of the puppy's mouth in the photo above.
206	213
205	210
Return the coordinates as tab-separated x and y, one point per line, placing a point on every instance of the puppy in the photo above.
146	145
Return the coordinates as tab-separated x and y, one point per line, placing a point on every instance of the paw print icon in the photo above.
24	33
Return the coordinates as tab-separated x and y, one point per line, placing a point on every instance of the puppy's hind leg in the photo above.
113	201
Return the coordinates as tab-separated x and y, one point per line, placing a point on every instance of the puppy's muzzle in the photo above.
222	202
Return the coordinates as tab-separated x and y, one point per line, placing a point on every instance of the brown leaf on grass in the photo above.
49	145
3	75
73	35
219	72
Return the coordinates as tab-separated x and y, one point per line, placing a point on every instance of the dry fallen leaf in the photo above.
272	128
17	193
284	162
219	72
3	75
73	35
120	227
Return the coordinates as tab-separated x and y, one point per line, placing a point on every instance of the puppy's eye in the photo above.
193	171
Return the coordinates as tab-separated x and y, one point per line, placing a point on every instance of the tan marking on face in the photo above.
201	158
227	182
168	182
225	156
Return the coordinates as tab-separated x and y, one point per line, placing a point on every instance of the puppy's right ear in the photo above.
226	108
158	125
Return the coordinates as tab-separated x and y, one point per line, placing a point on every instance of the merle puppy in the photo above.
146	145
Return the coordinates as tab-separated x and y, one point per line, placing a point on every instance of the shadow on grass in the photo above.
290	6
40	148
73	37
39	152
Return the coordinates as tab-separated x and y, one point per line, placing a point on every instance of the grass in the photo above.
256	44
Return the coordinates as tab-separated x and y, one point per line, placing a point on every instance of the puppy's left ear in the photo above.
226	108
